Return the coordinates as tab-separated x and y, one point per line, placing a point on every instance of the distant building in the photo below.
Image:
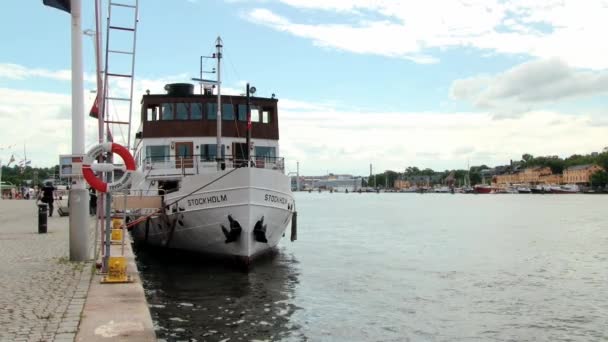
401	184
554	178
530	175
580	174
339	183
424	180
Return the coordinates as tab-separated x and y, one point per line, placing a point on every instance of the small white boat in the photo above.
442	190
566	189
524	190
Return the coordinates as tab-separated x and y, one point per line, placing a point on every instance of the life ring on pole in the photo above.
89	169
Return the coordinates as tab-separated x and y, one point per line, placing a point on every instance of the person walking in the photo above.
92	202
48	196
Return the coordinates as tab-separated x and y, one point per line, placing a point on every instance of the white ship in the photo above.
222	183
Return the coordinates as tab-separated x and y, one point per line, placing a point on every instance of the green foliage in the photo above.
16	177
558	165
599	179
475	178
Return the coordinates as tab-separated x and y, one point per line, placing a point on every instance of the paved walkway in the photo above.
42	294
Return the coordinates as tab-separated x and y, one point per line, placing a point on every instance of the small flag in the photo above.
64	5
94	113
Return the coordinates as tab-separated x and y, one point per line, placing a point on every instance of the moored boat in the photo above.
566	189
540	189
223	191
524	190
482	189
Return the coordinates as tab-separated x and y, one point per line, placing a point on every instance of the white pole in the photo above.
79	196
101	102
218	46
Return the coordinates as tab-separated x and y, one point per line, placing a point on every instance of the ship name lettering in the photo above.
275	199
206	200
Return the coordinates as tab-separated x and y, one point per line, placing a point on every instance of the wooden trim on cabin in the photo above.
205	127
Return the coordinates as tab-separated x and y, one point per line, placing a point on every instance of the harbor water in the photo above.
402	267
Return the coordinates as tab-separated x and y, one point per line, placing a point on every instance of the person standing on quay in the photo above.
48	196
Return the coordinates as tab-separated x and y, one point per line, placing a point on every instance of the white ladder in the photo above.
133	9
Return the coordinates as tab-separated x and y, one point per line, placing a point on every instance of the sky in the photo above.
438	84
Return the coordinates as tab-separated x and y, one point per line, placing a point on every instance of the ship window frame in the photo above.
271	155
211	111
205	156
265	117
227	105
177	112
242	112
192	111
166	153
162	113
255	117
150	111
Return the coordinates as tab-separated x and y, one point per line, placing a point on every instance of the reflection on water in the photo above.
192	298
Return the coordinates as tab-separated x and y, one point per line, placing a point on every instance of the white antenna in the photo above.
218	55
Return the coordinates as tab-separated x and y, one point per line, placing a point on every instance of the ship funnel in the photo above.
179	89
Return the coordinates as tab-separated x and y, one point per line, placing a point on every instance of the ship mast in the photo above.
219	157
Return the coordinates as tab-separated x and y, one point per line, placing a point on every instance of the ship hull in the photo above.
243	215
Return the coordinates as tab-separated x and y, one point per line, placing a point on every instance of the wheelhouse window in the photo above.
255	115
158	153
167	111
227	111
196	111
265	116
242	109
152	113
211	111
181	111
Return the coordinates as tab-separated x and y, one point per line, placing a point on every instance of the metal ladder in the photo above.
133	8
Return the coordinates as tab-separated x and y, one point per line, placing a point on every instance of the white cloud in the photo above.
324	136
19	72
40	121
528	84
346	141
571	30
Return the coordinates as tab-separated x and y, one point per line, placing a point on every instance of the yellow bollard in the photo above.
116	237
116	223
116	232
117	271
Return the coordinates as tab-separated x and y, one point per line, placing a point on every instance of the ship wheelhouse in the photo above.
178	133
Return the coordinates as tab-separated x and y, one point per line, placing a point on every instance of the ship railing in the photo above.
188	165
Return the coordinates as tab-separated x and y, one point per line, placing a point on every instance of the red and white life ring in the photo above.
98	184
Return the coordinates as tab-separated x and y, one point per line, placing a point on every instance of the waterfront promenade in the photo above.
42	293
45	297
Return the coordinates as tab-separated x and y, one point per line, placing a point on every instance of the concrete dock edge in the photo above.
116	312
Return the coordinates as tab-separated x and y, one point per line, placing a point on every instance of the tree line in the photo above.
28	176
557	165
